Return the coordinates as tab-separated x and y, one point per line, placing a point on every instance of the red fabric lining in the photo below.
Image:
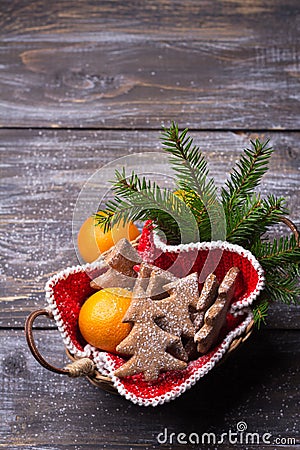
71	291
172	380
247	279
69	294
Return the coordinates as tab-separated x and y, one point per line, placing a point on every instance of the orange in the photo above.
92	241
100	318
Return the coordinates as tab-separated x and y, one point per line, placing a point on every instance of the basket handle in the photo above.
80	367
293	228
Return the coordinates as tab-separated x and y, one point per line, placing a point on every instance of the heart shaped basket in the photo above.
67	290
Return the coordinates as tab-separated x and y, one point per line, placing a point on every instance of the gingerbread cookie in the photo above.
153	280
112	278
183	295
215	316
190	348
142	286
208	293
147	343
144	271
207	297
158	279
177	321
121	259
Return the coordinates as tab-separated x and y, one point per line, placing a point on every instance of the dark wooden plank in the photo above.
43	173
259	385
126	64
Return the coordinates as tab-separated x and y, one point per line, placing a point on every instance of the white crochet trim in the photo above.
176	392
100	359
221	245
103	361
99	264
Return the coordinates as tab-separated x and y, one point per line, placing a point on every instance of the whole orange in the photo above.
92	241
100	318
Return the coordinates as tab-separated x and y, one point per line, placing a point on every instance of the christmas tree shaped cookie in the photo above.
120	260
184	294
215	316
153	279
208	295
147	343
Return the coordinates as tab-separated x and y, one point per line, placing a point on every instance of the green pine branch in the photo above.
280	260
244	221
279	252
140	199
250	220
248	216
192	178
189	164
247	174
274	208
204	218
282	285
260	312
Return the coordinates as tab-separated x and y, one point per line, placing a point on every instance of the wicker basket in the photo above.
86	367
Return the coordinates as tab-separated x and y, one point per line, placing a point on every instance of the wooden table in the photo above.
83	83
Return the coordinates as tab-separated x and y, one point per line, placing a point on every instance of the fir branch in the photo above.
280	260
203	218
243	222
279	252
250	220
193	179
248	216
139	199
247	174
274	208
260	312
282	285
189	164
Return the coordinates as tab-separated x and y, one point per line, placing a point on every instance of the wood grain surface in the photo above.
82	84
231	64
48	411
42	176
